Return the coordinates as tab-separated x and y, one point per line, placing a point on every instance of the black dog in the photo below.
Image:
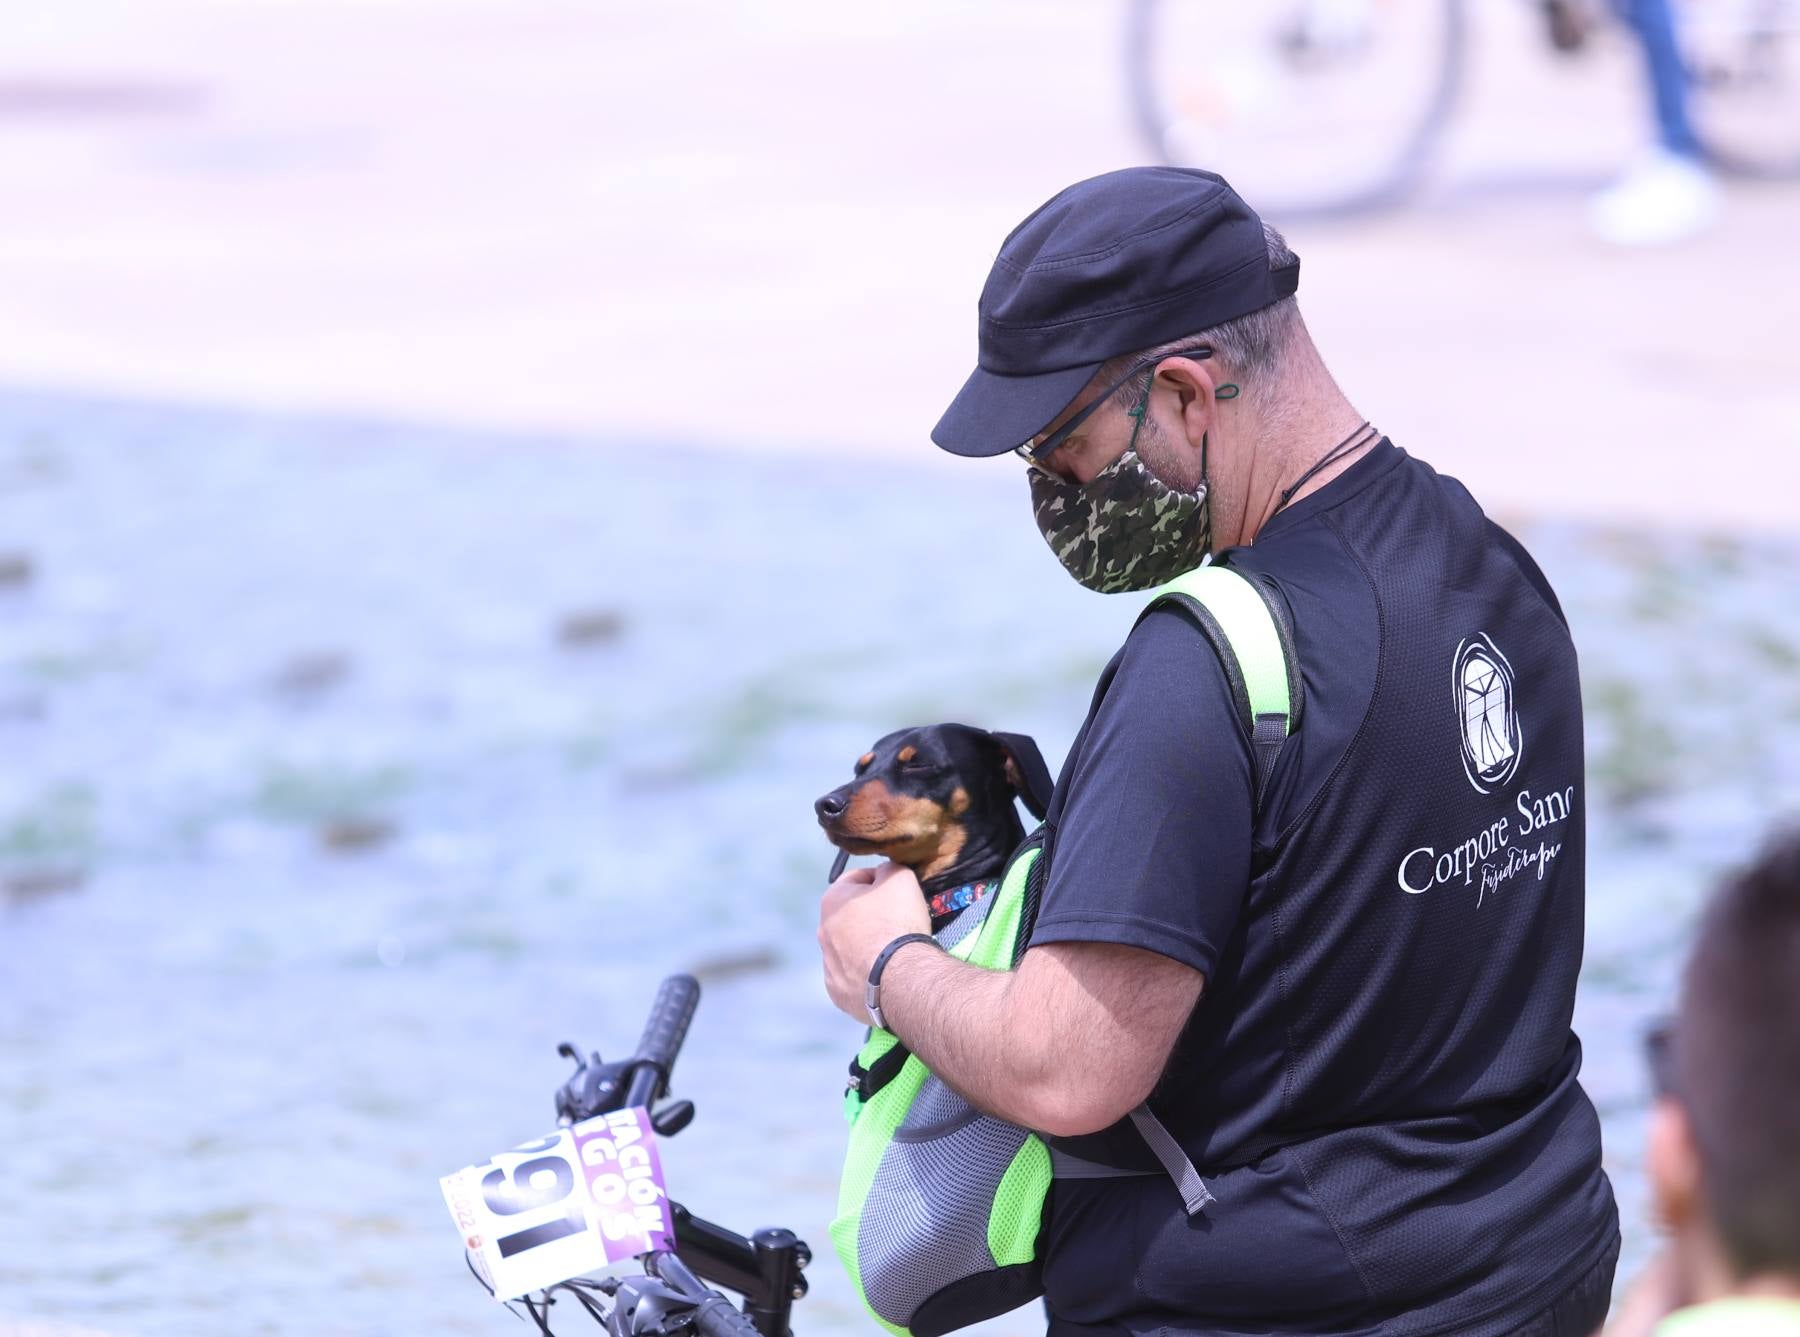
939	799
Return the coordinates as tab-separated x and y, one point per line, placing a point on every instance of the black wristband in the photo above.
872	993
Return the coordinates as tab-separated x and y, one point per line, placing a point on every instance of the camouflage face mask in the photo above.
1125	529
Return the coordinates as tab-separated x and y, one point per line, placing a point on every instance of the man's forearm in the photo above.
958	1019
1066	1044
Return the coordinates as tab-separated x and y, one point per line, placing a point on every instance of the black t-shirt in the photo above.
1379	1082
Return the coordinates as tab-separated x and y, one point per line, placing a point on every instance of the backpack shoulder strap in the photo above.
1247	625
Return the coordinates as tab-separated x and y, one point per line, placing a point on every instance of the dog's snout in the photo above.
832	805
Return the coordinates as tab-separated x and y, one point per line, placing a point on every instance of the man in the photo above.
1724	1143
1348	997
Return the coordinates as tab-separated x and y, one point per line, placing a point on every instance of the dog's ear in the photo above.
1026	772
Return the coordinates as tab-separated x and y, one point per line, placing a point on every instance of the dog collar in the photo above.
949	902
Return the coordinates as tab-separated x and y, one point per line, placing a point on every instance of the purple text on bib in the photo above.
625	1182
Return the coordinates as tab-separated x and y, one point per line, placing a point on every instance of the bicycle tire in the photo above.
1402	171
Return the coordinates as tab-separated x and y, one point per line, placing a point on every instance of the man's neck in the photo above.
1705	1275
1765	1286
1291	441
1771	1286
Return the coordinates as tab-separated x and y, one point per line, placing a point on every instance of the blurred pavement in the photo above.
766	226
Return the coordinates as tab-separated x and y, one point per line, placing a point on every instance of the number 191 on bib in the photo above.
575	1201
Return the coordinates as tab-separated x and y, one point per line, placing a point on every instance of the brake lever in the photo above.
672	1117
597	1087
644	1306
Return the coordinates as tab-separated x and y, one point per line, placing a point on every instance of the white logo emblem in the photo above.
1489	716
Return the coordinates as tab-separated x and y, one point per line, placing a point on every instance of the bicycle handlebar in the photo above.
714	1315
670	1295
664	1032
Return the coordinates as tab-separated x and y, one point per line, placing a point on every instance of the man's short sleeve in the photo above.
1153	846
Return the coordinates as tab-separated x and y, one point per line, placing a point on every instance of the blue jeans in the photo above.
1654	22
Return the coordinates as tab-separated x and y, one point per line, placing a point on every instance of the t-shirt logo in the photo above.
1487	713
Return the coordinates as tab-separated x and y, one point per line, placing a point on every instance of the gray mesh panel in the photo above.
934	1110
925	1220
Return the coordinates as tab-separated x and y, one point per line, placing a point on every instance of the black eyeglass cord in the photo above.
1362	436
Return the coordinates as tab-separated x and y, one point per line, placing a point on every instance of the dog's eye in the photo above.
918	767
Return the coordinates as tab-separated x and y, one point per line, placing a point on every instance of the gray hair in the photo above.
1253	349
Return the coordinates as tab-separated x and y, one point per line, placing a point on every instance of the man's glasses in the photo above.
1033	453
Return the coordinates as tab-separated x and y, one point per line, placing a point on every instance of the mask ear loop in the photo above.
1229	390
1144	407
1138	414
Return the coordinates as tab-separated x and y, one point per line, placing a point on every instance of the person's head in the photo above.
1724	1144
1142	345
1250	357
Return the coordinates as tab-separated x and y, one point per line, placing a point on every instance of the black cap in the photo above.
1111	265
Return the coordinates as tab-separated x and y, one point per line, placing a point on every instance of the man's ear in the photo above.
1196	392
1027	772
1673	1161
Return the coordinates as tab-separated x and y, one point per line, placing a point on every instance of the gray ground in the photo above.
351	767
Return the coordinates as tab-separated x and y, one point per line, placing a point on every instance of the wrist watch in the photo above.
872	993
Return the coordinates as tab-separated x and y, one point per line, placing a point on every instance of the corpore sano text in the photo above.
1497	853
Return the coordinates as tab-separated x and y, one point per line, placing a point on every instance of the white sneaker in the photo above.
1664	198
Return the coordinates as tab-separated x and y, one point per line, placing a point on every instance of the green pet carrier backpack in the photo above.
940	1206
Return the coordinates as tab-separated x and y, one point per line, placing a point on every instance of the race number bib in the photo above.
577	1200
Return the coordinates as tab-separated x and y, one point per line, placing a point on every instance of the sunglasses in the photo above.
1033	453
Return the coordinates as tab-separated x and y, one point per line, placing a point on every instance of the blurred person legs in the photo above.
1669	193
1724	1141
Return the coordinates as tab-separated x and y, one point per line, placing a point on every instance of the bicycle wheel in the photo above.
1743	65
1308	107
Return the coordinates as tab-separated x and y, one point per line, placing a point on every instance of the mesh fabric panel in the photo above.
925	1223
926	1172
1018	1213
870	1136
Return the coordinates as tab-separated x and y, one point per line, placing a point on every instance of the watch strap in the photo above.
872	992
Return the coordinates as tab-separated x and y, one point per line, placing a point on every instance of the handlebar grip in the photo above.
663	1034
714	1315
718	1318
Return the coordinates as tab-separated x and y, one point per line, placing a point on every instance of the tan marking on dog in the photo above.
959	802
906	754
867	759
949	850
909	829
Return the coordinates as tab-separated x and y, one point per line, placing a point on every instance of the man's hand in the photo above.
863	911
